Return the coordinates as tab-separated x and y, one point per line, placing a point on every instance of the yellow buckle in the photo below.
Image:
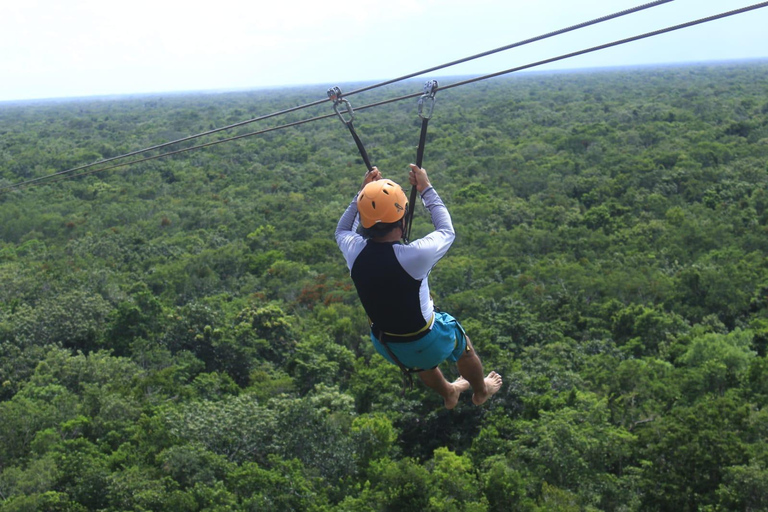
423	329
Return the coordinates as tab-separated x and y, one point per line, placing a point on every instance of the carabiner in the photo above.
430	88
334	93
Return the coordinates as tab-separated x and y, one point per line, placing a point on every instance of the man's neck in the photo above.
393	236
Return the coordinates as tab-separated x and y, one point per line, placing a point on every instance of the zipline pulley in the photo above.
334	93
428	98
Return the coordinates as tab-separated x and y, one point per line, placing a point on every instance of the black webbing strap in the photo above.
428	99
412	197
404	370
360	146
335	95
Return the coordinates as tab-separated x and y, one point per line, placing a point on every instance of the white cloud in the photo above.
96	47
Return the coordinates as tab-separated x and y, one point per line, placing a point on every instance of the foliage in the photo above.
182	334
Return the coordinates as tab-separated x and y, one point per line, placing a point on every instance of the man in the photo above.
391	281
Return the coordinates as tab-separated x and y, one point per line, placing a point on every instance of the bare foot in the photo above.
492	385
457	388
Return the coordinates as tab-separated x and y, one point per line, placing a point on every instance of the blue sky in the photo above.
71	48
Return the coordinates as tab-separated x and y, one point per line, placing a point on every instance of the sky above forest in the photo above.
76	48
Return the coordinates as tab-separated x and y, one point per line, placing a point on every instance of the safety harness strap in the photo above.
426	100
404	370
335	94
360	146
413	336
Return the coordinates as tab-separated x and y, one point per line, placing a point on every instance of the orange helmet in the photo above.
381	201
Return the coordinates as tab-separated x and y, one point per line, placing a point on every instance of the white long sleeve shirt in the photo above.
391	278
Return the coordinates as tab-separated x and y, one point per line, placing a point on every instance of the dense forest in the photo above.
183	334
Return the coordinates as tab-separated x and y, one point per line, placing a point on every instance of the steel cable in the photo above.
357	91
414	95
178	151
610	45
516	45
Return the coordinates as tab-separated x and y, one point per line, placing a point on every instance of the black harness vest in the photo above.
389	295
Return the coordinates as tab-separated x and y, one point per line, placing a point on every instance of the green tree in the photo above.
285	486
455	484
717	362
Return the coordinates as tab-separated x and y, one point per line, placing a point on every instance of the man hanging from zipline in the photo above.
391	281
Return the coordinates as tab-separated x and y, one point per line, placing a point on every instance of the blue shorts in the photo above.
446	341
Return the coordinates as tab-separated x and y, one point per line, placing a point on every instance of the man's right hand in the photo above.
418	178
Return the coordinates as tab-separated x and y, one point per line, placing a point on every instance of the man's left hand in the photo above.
372	175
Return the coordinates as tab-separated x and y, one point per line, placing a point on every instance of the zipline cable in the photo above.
518	44
577	53
166	144
414	95
654	33
178	151
357	91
